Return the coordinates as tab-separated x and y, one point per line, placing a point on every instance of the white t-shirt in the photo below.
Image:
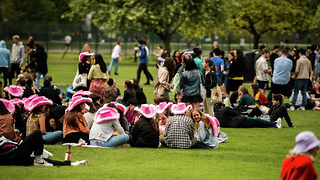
116	51
68	39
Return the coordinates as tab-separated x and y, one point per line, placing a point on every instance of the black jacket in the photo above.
312	59
210	81
27	92
143	134
128	95
50	93
84	68
40	57
236	68
141	97
228	117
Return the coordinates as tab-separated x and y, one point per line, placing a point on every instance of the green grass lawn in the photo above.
247	154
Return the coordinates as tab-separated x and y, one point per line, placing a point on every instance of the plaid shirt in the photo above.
179	132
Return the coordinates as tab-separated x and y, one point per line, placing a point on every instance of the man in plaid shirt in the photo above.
179	131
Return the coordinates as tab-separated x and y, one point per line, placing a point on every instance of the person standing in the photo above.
219	65
302	74
281	74
39	56
274	56
143	63
116	57
17	57
68	40
262	71
5	61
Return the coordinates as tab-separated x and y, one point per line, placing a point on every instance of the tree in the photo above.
162	17
267	16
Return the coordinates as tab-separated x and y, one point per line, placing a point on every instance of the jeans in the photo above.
250	122
219	80
166	93
114	60
112	141
5	75
38	78
52	137
144	67
300	84
200	146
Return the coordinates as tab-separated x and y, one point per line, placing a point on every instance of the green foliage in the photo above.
162	17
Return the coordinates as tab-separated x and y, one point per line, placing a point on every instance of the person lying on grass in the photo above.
231	118
276	112
206	129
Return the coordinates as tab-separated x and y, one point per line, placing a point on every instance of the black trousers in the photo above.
14	68
5	72
32	143
75	136
144	67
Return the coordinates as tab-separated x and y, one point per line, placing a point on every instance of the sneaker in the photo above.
153	82
302	108
116	74
291	108
279	123
147	83
80	163
42	162
222	137
126	145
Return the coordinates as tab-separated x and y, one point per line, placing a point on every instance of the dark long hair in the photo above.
129	86
100	61
170	64
255	89
3	109
191	65
70	117
239	53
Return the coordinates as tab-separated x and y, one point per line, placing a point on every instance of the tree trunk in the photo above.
166	42
256	41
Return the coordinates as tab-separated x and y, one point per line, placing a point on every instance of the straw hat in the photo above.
105	114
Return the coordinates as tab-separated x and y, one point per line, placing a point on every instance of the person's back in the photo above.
228	117
179	132
5	59
41	58
49	92
218	61
144	134
282	68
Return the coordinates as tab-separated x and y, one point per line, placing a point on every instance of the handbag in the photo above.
203	91
216	94
176	82
80	80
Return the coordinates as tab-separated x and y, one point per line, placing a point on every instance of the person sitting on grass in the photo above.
276	112
231	118
111	91
179	132
131	114
206	129
6	123
128	94
259	98
246	99
299	162
74	124
315	93
163	114
97	100
58	90
145	132
105	122
70	92
14	92
49	92
122	119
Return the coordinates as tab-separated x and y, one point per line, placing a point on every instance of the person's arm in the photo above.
191	132
313	97
143	53
135	131
241	102
117	126
162	79
297	69
22	55
82	124
90	75
201	133
284	113
213	81
42	123
222	68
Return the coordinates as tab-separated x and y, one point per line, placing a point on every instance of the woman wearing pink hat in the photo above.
145	132
163	114
6	124
206	129
14	91
299	163
101	134
74	123
18	114
121	110
98	75
84	67
37	120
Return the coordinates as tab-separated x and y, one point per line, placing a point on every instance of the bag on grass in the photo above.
80	80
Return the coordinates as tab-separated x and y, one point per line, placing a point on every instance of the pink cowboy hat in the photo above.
75	101
148	111
81	93
14	90
120	106
105	114
87	107
28	100
39	101
85	54
17	102
180	108
163	106
214	123
8	105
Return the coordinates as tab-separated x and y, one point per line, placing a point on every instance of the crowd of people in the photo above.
99	116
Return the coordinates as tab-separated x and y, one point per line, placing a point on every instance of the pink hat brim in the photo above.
81	93
85	54
100	117
19	92
214	124
120	106
174	109
44	101
17	102
8	105
74	103
159	111
149	115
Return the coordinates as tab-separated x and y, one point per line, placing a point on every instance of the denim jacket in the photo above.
190	82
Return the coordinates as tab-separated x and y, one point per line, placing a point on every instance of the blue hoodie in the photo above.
5	58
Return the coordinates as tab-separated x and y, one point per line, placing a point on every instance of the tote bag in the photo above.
80	80
216	95
203	91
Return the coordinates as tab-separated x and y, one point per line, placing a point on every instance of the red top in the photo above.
300	167
259	97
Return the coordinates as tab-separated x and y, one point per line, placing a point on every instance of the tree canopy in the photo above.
162	17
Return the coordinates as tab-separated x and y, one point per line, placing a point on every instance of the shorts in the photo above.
279	88
192	99
234	84
263	84
67	45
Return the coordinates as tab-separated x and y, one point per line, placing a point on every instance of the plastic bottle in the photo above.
68	154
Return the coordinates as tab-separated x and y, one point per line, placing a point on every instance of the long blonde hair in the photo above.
203	118
308	154
86	47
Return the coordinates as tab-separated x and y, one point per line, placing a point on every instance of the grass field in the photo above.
247	154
